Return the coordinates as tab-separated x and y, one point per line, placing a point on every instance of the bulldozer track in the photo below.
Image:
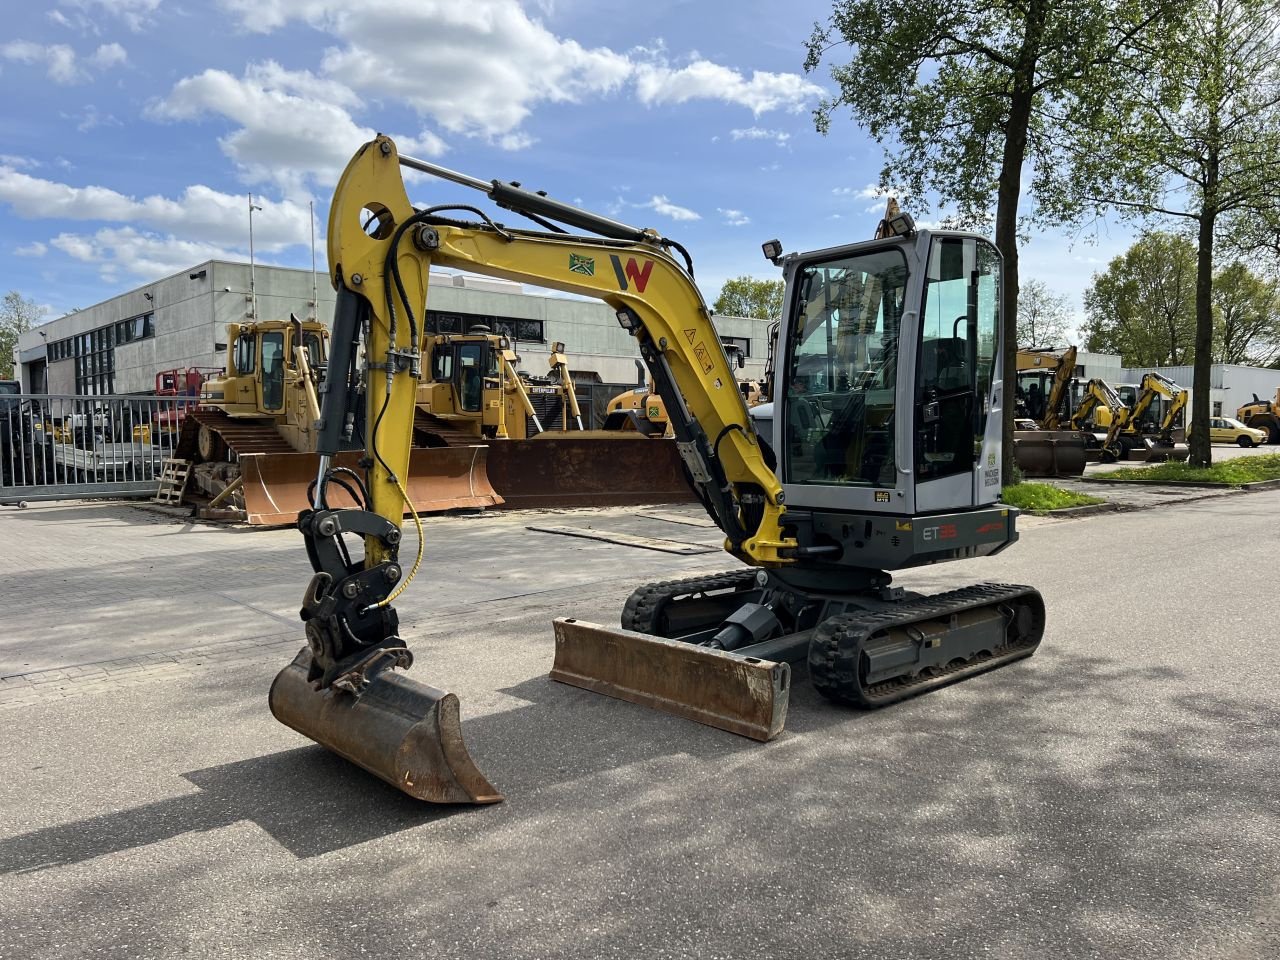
240	436
426	424
838	646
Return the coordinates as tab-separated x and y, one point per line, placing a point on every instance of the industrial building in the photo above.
1231	385
180	321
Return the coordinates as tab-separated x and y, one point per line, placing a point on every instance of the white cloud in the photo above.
702	80
218	218
60	61
295	127
12	160
139	253
136	14
109	55
758	133
490	65
666	208
33	249
91	118
734	218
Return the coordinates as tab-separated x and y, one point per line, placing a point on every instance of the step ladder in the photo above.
173	482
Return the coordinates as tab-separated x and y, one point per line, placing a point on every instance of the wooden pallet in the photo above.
173	482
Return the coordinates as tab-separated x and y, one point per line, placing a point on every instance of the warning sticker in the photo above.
690	334
704	357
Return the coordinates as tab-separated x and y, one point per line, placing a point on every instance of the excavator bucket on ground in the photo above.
602	469
1049	453
441	478
744	695
402	731
1154	451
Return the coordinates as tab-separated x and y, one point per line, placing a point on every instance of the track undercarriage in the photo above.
867	646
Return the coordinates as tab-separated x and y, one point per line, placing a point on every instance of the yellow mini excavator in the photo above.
892	346
1044	381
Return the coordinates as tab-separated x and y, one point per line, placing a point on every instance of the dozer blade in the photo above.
440	478
1049	453
400	730
605	469
743	695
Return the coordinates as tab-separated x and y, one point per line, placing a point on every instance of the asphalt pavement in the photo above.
1115	796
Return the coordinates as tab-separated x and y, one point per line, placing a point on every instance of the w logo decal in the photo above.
632	271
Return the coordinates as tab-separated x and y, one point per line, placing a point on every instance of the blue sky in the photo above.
134	129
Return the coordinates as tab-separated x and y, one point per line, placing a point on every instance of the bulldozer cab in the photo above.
466	365
261	365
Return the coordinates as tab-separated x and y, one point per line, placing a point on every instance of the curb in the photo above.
1081	511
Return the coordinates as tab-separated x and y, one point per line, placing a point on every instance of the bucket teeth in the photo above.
405	732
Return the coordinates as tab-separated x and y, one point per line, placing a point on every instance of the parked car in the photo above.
1230	430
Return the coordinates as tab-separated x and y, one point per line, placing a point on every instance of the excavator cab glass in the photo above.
843	362
957	350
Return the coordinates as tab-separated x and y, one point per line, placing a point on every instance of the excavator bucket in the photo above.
1049	453
400	730
1157	452
440	478
744	695
603	469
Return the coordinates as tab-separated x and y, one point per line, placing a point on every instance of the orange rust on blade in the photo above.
743	695
405	732
620	471
440	478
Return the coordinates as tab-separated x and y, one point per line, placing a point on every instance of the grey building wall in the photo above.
191	310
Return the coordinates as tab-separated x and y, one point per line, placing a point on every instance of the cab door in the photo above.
271	382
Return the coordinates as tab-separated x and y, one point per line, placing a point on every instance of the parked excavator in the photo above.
1262	415
893	342
1044	384
1159	444
252	437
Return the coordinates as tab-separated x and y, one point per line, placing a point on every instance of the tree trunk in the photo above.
1008	191
1201	451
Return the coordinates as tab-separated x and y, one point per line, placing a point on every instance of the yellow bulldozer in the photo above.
1262	415
252	437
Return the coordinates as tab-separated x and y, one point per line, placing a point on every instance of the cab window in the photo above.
273	371
245	354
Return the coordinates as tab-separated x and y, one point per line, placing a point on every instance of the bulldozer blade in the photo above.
607	469
402	731
440	478
744	695
1049	453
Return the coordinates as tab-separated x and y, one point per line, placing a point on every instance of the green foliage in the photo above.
1043	316
1143	305
18	314
1246	317
1232	472
1042	497
748	297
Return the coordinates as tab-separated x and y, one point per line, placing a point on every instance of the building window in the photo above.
530	331
741	344
1217	408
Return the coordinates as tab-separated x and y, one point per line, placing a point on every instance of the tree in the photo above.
1143	305
1198	143
748	297
1044	317
968	93
18	314
1246	317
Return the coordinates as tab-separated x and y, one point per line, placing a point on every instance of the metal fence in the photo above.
59	447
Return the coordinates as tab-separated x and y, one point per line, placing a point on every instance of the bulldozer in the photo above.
252	436
891	344
1042	395
1262	415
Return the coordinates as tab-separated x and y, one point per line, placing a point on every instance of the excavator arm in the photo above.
1099	393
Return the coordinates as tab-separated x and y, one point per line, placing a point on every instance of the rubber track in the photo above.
835	652
644	607
453	437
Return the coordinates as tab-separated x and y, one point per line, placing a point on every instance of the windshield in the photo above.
842	373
